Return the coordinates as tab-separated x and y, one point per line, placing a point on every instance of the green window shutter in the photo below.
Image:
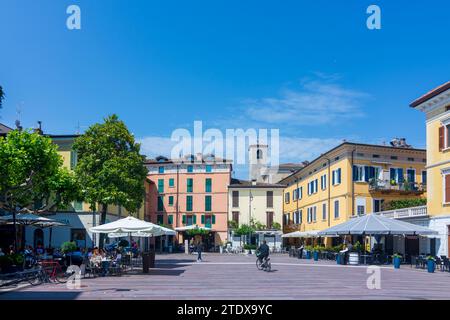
213	219
160	203
184	219
189	184
208	185
207	203
203	219
194	219
189	203
160	185
171	182
170	219
170	200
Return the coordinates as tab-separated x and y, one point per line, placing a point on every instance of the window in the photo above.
160	169
171	182
208	183
336	209
300	217
208	168
311	214
312	187
324	211
160	203
396	174
259	154
394	158
375	156
170	219
286	219
159	219
446	188
378	205
336	177
160	185
190	169
424	177
171	201
300	193
189	203
208	203
78	205
323	182
360	206
236	217
410	159
411	175
294	195
296	217
286	197
269	199
235	199
189	220
189	184
73	159
269	220
365	173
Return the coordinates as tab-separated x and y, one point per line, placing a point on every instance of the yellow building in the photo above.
436	106
352	179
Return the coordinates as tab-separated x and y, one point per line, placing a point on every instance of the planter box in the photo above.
431	266
397	262
353	258
316	255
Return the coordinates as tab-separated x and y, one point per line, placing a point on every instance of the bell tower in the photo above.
257	161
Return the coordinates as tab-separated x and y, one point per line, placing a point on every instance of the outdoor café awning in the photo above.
375	224
301	234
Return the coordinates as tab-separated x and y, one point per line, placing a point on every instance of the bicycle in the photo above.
264	264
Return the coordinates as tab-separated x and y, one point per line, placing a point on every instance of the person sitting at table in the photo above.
39	249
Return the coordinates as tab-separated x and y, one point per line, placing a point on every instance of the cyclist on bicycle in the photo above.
263	251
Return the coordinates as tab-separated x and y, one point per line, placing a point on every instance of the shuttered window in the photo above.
160	185
208	204
208	183
447	188
188	203
441	138
235	199
269	199
189	184
269	219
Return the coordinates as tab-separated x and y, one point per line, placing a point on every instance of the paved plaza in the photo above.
179	276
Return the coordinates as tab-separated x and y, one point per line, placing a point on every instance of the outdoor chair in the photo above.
446	264
439	263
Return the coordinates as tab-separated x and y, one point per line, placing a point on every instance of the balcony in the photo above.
413	212
392	186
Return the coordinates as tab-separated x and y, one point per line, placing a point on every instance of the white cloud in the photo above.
156	146
294	149
316	102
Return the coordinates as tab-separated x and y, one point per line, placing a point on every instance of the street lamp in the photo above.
250	219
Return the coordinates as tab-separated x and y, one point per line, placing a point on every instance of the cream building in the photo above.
251	202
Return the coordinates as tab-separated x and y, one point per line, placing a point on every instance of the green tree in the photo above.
2	96
110	168
31	172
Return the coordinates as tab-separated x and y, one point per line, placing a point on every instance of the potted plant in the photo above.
431	264
308	252
397	259
316	252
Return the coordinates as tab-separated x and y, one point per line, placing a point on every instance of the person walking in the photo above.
199	248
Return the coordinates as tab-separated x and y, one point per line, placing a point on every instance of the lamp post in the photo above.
250	219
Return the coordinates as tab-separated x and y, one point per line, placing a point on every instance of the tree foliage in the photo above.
2	96
31	172
110	168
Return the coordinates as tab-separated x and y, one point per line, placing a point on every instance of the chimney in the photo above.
199	157
253	182
39	128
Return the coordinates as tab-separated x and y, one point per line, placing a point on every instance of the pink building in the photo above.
190	191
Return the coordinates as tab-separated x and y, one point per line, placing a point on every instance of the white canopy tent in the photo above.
127	225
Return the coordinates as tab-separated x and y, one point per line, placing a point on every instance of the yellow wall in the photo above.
343	191
436	161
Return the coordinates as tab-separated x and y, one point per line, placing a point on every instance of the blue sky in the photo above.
310	68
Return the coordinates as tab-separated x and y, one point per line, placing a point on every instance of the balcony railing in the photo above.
412	212
388	185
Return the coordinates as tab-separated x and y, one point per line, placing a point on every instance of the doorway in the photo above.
412	246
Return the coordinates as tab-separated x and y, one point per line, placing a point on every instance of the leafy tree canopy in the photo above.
110	168
31	171
2	96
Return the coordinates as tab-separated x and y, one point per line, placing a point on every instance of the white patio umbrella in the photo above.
30	219
301	234
127	225
375	224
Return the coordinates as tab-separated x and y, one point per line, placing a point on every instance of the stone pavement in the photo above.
179	276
